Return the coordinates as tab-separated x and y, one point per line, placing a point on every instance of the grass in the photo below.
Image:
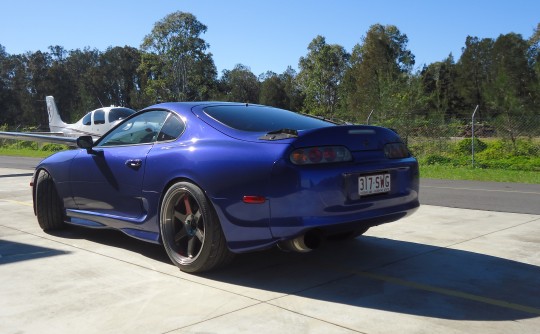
24	152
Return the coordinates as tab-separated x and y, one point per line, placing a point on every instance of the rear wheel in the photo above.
191	231
49	207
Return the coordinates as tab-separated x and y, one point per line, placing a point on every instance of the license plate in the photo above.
373	184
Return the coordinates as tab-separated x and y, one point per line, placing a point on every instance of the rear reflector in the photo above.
254	199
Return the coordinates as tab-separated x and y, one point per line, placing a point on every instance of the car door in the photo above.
108	178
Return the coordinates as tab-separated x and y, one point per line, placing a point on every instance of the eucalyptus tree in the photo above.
239	85
321	74
510	94
534	50
381	66
84	92
473	72
292	88
272	91
175	63
6	92
117	72
439	86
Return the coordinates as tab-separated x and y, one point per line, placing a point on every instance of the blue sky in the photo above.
264	35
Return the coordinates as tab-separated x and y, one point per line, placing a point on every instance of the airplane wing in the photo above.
70	141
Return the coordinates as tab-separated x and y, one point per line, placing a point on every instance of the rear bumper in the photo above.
328	200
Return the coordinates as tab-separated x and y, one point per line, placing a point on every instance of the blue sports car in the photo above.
210	179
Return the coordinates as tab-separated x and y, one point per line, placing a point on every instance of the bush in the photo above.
464	146
435	159
53	147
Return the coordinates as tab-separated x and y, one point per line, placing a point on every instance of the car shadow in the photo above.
376	273
11	252
113	238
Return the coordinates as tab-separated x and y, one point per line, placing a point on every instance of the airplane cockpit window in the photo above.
119	113
141	129
87	120
99	117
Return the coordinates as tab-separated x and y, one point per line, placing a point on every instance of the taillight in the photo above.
396	151
320	155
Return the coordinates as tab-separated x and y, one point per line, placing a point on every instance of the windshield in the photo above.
262	119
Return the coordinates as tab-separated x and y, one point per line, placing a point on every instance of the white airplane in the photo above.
95	124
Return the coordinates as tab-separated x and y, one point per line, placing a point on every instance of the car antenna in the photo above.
100	102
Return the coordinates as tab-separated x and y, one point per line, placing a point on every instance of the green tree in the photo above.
292	88
473	72
534	50
84	92
175	62
441	94
320	77
509	93
117	72
239	85
380	72
273	92
6	94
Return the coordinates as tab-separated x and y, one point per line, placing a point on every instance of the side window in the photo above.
119	113
141	129
99	117
172	129
87	120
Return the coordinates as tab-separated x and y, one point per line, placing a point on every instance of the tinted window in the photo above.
87	120
140	129
262	119
99	117
172	129
119	113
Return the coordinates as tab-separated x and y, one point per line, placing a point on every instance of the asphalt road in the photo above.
487	196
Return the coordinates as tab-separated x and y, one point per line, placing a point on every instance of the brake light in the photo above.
320	155
396	151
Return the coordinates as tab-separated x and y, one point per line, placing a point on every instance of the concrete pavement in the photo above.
442	270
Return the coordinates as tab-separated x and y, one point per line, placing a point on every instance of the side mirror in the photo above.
86	142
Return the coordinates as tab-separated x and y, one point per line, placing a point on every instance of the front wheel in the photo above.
190	230
49	207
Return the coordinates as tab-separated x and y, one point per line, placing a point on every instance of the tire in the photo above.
190	230
49	207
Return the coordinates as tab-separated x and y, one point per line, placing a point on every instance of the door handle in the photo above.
134	163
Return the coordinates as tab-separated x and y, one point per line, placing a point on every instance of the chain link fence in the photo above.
506	142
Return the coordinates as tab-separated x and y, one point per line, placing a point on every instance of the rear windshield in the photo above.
263	119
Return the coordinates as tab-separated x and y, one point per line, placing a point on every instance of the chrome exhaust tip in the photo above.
303	243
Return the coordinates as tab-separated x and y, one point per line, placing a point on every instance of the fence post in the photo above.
369	116
472	134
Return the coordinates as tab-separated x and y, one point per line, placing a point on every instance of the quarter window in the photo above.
172	129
